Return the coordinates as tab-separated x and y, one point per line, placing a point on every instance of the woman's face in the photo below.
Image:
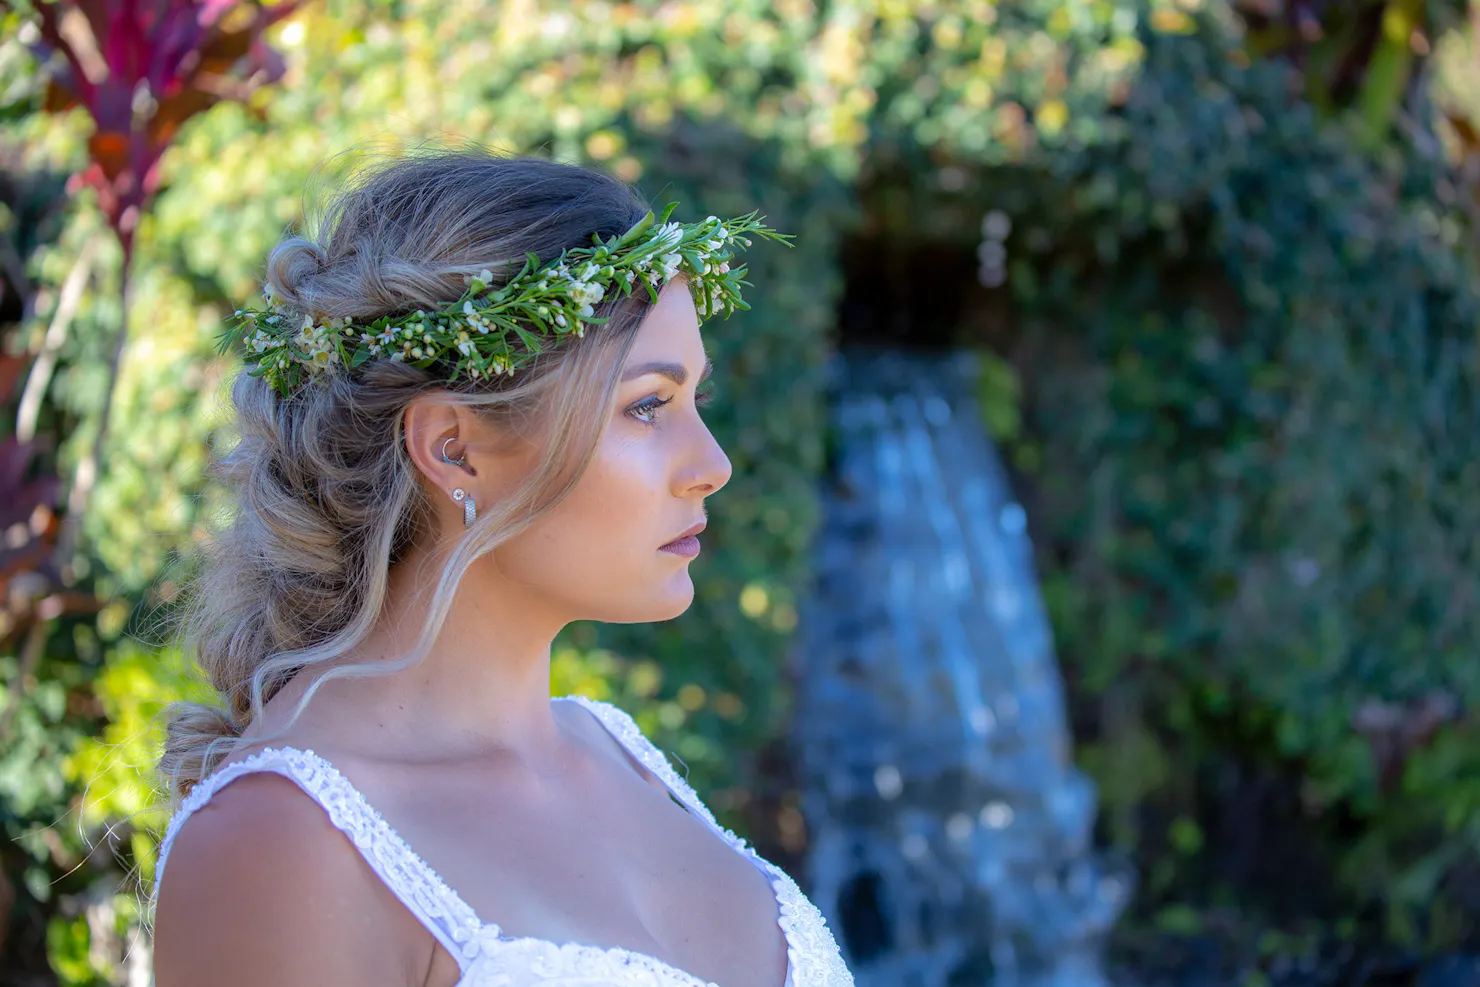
598	554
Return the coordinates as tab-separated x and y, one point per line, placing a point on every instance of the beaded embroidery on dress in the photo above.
488	958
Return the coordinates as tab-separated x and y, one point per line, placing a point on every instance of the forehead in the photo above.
670	329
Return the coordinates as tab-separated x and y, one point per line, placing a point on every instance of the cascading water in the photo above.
950	832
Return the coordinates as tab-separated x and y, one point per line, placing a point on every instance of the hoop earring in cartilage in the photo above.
455	462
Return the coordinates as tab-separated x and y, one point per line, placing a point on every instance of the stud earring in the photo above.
470	510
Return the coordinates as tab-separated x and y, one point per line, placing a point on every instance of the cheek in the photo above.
598	550
613	511
624	485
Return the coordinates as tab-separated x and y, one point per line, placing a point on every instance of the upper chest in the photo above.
604	859
637	873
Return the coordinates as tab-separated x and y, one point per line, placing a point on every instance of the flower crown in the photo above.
540	306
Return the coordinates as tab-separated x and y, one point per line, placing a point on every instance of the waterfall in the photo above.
950	831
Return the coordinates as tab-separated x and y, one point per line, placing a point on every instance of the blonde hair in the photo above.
326	497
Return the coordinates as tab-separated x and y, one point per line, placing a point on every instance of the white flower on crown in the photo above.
586	294
317	343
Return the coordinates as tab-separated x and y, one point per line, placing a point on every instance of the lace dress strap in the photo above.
451	920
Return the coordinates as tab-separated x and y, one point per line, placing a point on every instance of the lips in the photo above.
689	533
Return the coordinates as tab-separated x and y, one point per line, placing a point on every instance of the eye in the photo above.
646	411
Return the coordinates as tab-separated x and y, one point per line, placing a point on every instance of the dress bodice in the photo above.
485	955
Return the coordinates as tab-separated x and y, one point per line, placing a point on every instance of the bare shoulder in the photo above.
261	888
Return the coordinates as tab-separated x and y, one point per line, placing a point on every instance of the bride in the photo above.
470	417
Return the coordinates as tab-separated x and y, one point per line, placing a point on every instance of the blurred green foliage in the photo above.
1259	473
1237	367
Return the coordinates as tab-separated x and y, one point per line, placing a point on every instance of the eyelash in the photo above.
651	405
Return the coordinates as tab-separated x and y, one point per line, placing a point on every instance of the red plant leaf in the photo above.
28	558
186	55
224	51
125	47
60	97
92	177
19	497
11	368
109	150
51	31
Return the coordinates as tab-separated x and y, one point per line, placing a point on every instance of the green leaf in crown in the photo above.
539	307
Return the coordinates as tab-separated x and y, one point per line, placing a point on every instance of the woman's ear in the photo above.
444	441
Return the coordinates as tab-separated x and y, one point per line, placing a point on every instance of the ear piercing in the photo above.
455	462
470	510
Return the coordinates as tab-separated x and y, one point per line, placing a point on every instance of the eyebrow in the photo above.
675	372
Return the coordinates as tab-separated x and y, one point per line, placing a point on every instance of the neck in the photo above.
483	688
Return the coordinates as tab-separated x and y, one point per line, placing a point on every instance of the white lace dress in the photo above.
486	956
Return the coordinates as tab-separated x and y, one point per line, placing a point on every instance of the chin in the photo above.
675	598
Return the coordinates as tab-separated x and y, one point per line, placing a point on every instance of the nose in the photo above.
709	468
